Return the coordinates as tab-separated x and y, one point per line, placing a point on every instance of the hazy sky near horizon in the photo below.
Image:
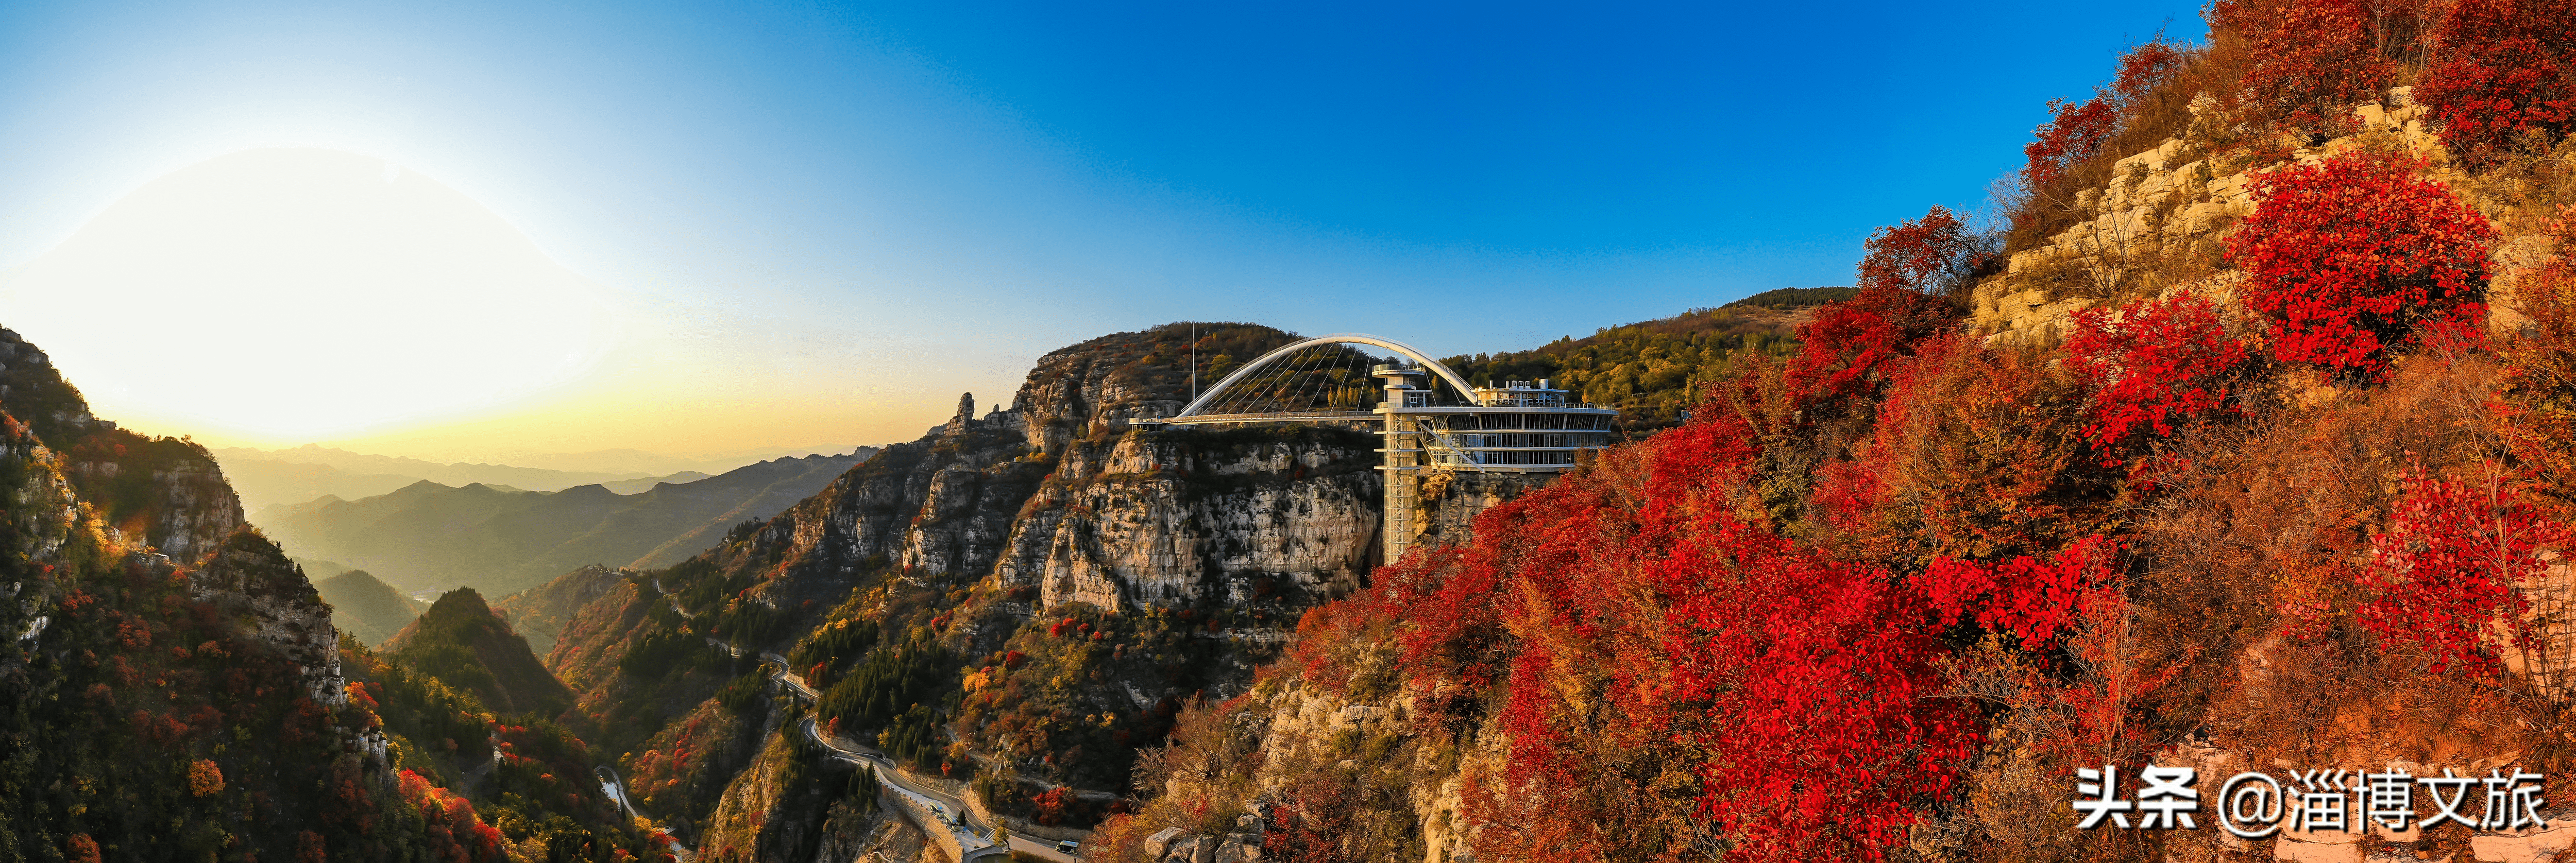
467	230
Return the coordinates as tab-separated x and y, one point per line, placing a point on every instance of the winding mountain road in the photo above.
615	785
889	772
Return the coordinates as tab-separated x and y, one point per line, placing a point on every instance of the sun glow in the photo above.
288	295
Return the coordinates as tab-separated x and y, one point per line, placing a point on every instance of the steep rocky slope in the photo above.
172	687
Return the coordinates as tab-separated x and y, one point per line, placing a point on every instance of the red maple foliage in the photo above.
2030	598
2074	134
2151	364
2353	256
2310	57
2077	131
1845	349
2146	68
2452	559
1930	255
1634	611
2506	68
454	832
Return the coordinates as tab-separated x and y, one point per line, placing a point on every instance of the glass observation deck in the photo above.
1514	427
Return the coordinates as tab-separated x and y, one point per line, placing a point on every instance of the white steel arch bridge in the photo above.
1430	419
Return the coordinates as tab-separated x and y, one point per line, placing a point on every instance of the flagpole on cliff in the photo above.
1194	362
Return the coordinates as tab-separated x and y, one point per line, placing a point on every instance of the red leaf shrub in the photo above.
454	832
2537	401
2451	560
1051	806
2353	256
205	778
1637	623
2151	364
2507	67
2026	597
1844	348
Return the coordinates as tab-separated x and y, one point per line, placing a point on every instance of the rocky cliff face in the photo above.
161	504
1085	578
168	493
1060	493
251	581
1176	518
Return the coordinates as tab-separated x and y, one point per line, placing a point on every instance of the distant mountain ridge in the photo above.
635	460
267	478
504	540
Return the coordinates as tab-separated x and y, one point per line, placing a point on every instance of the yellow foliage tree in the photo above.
205	779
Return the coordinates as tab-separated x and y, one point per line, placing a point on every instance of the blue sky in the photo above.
957	187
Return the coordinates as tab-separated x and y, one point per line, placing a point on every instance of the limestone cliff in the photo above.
1058	492
1087	577
2159	225
1179	517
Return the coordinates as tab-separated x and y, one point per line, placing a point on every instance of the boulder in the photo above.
1161	843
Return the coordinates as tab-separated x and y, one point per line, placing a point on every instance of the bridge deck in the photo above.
1283	417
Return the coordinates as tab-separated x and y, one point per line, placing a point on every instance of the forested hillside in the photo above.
1652	371
463	644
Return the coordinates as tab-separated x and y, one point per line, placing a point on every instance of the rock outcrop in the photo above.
1176	517
169	491
2165	204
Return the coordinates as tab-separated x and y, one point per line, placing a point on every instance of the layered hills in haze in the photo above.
270	477
505	540
367	609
